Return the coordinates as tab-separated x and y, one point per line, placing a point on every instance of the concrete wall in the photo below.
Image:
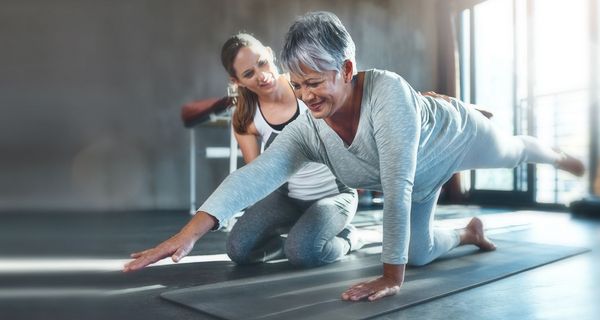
90	91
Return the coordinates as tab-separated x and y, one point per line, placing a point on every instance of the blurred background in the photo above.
96	163
91	91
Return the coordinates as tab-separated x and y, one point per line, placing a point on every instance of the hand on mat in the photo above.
177	247
387	285
372	290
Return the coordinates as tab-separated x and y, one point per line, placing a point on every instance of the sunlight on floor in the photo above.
59	265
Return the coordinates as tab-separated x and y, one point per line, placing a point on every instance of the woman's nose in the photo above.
262	76
306	94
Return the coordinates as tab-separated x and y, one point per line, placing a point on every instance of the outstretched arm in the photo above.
239	190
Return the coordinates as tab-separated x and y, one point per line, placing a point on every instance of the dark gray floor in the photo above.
563	290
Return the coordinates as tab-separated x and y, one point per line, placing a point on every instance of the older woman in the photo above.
374	132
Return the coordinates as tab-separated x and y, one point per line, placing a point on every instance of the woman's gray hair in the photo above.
319	41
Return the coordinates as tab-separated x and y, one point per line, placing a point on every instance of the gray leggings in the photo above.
312	227
492	148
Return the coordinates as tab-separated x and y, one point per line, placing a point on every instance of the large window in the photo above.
530	62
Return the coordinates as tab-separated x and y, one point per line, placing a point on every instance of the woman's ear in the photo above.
235	81
348	70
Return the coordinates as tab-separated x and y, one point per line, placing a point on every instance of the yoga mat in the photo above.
315	293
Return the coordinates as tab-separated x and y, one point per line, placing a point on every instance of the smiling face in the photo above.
255	70
323	92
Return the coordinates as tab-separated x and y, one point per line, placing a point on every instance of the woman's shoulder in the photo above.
257	119
384	82
386	91
378	76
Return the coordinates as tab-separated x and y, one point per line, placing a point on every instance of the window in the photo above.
530	62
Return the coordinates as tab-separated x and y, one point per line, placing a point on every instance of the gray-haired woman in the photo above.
374	132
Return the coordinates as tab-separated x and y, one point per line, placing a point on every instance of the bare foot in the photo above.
473	234
570	164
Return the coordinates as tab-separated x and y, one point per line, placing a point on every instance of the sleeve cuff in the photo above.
217	225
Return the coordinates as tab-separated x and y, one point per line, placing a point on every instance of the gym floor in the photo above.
67	266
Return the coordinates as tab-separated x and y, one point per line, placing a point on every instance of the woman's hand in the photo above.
387	285
178	246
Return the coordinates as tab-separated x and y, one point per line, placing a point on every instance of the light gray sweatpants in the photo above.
491	148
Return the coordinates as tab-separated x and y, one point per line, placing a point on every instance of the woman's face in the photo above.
255	70
321	91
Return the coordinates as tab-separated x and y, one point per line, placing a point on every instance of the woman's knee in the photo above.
419	256
236	251
240	244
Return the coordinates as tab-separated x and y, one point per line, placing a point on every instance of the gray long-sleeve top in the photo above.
406	145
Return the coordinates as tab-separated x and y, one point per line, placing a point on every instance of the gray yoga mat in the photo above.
315	293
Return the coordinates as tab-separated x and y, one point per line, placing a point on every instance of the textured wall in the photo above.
90	91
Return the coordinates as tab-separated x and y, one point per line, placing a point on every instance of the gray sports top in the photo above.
406	145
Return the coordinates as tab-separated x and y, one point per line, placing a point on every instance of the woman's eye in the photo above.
248	75
262	62
313	84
